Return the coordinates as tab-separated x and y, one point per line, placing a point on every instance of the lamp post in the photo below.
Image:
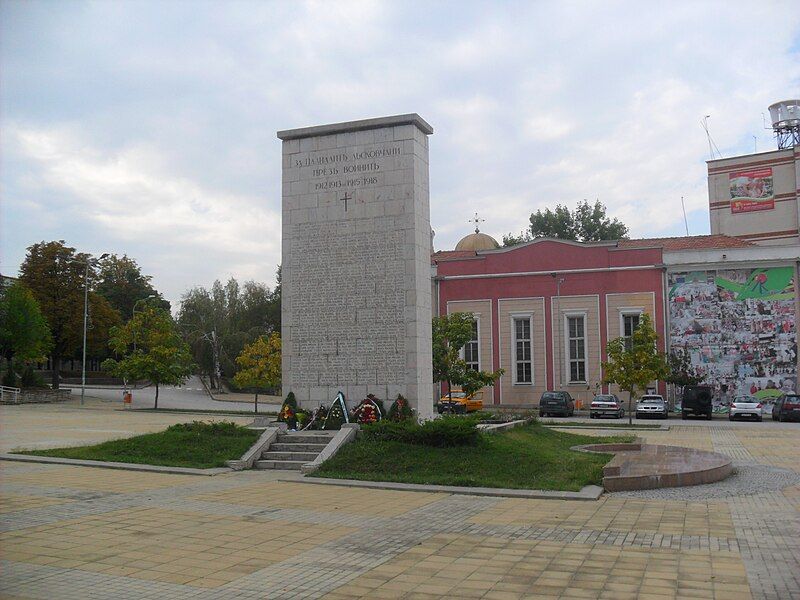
86	320
133	313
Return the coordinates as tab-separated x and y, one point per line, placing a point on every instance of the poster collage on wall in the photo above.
738	327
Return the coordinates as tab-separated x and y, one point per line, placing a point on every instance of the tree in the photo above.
635	364
450	334
587	223
24	334
260	364
220	321
121	282
56	276
151	349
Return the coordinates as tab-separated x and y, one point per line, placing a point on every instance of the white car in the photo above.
746	407
652	405
606	405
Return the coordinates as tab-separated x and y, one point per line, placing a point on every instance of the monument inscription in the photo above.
356	299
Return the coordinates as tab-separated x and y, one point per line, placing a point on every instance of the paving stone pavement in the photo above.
75	532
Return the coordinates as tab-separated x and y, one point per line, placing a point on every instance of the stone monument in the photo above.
356	292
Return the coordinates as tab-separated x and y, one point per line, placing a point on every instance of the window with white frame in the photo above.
576	348
523	361
472	349
629	323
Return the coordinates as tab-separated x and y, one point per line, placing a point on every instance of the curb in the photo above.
589	492
54	460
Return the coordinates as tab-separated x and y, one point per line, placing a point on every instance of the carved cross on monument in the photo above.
477	221
346	198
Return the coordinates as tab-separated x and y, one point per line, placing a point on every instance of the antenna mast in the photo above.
712	145
685	222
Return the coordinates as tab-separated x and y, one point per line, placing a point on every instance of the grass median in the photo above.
527	457
199	445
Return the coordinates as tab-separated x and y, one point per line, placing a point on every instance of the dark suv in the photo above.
556	404
697	401
786	407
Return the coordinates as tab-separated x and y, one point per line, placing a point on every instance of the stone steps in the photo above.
291	465
288	447
292	455
292	450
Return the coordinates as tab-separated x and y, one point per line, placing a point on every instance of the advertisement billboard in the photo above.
752	190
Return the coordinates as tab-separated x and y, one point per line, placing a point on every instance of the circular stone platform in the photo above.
649	466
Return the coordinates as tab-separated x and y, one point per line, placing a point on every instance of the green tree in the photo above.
260	364
587	223
24	334
220	321
151	349
635	364
56	274
450	334
121	282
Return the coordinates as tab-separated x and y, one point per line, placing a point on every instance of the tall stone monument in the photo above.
356	293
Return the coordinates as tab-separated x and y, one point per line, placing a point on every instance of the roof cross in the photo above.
477	220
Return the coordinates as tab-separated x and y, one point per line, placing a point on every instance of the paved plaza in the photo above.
75	532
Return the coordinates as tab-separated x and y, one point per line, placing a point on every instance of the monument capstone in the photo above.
356	292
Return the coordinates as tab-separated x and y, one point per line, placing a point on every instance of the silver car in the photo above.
744	407
652	405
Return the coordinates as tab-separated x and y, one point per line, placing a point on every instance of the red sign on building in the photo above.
752	190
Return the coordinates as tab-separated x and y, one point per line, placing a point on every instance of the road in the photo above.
192	395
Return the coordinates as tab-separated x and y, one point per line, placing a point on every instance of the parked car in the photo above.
787	407
652	405
697	401
558	404
461	402
606	405
745	406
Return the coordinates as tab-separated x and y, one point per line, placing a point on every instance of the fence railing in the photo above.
9	394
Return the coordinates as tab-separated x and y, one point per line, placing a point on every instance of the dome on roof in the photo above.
477	241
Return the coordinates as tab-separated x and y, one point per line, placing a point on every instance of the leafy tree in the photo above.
681	372
121	282
260	364
632	366
587	223
55	273
24	334
160	355
450	334
220	321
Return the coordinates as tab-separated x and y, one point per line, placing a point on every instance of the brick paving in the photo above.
74	532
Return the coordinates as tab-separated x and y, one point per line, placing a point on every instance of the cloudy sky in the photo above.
148	128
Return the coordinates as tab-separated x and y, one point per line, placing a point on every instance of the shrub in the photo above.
203	427
441	433
31	379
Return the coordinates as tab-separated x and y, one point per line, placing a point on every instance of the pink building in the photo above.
545	310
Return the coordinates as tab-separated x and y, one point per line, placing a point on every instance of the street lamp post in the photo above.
86	321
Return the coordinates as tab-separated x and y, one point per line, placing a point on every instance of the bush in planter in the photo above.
441	433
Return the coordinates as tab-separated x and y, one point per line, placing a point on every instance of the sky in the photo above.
148	128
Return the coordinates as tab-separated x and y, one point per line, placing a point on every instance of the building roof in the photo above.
694	242
477	241
451	254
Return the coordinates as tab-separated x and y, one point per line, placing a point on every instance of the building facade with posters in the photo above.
755	196
545	311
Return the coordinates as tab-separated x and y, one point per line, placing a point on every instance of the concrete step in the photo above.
305	438
293	447
293	465
301	456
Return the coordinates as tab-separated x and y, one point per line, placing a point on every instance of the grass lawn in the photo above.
198	445
528	457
